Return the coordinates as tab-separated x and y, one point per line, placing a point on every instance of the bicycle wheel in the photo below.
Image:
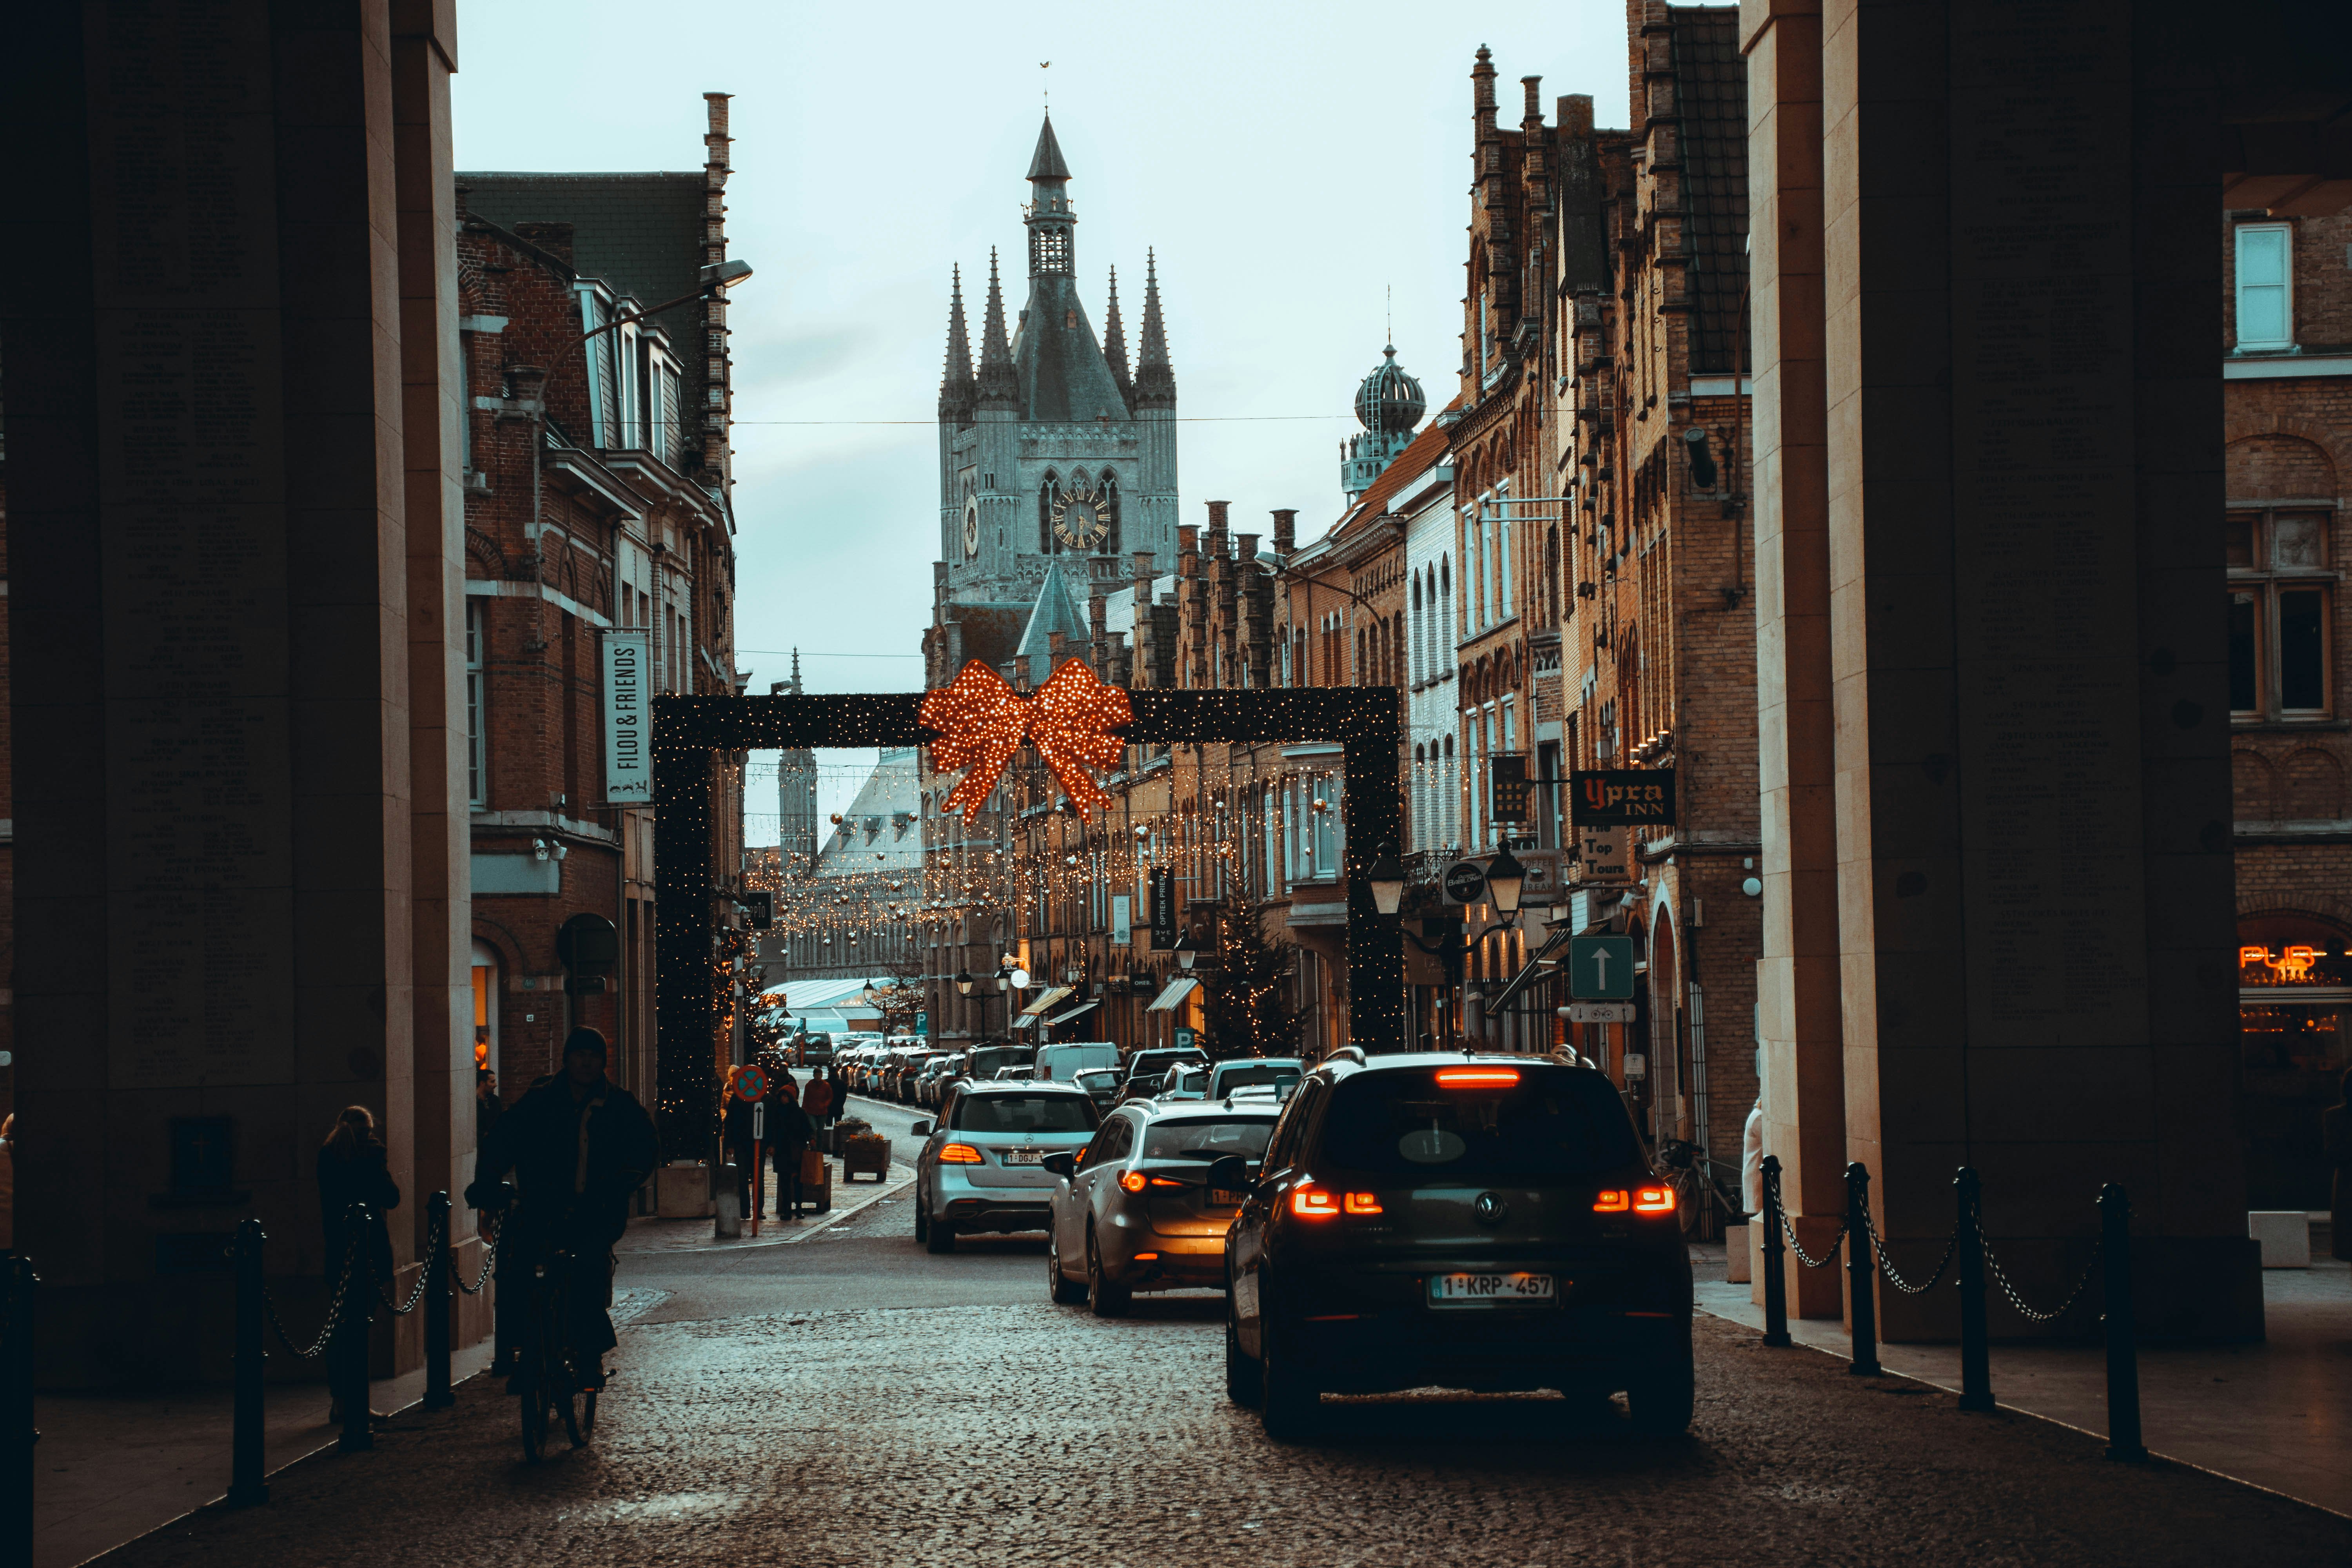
534	1423
588	1412
573	1428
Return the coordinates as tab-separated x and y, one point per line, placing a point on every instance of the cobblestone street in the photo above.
767	1409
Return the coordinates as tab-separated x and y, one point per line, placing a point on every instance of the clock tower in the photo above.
1052	453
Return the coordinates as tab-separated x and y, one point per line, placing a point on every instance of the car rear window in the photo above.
1551	1123
1189	1140
1234	1077
1024	1114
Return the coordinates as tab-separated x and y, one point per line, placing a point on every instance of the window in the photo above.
2265	287
477	769
2280	589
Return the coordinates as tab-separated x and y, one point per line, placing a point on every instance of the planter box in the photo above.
683	1192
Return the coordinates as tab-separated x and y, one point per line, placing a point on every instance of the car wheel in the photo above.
923	1217
941	1236
1289	1404
1662	1402
1103	1299
1058	1284
1242	1385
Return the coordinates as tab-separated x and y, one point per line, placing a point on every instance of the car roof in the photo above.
1404	1062
1191	1109
1023	1086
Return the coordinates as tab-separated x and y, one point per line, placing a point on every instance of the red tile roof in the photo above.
1404	468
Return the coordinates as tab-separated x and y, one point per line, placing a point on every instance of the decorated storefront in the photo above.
2294	1001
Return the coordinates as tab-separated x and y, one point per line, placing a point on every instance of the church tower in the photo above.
1053	454
795	796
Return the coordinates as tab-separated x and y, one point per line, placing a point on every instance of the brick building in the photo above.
2287	403
598	512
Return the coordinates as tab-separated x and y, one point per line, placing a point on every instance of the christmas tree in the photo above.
1246	1012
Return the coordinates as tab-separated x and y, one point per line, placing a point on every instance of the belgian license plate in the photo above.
1225	1198
1022	1156
1491	1289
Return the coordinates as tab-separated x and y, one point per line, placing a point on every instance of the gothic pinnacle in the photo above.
1114	345
1000	388
1155	380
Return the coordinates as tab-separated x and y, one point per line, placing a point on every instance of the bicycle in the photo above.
548	1368
1692	1176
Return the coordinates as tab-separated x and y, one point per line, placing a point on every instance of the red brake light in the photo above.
1363	1203
1653	1199
1617	1202
1165	1182
1131	1180
960	1155
1312	1201
1477	1078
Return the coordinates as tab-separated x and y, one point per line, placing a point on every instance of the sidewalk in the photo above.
2271	1415
112	1466
647	1234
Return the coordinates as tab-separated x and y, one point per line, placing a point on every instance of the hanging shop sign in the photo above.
1604	855
1622	797
1465	882
1163	910
628	731
1507	784
1122	927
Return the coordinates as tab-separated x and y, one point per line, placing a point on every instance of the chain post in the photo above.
438	1303
17	1435
1859	1286
1976	1367
246	1487
347	1362
2123	1343
1776	1284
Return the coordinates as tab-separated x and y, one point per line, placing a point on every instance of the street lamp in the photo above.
964	982
1186	951
1504	878
871	997
1387	879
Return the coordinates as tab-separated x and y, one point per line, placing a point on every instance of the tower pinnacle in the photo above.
1155	379
999	388
958	392
1114	345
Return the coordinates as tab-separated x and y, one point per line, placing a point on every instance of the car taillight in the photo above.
1362	1203
1132	1181
1617	1202
1310	1202
960	1155
1653	1199
1165	1182
1477	1078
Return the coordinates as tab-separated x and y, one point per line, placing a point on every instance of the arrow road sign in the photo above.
1601	968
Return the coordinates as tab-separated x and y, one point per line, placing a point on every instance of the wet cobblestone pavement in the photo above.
1020	1433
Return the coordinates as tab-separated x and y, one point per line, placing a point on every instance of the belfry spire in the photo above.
1155	379
999	387
1114	345
958	392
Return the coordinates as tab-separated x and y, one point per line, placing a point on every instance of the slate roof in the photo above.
640	233
1065	379
1056	611
1404	469
1711	89
1047	164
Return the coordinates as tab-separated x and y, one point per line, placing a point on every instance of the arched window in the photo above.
1045	512
1397	645
1111	512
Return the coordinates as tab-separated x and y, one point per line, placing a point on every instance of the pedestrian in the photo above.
1751	1161
735	1121
487	1104
354	1167
788	1134
2336	1130
816	1099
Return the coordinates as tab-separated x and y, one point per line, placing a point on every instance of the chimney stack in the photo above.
1286	532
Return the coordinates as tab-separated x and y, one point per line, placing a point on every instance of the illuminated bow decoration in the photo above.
982	722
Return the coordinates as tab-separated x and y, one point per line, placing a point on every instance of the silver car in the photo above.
983	1167
1133	1211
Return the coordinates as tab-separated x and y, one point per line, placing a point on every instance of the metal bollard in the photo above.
1863	1304
1776	1284
17	1436
2123	1345
349	1369
246	1487
1976	1368
437	1304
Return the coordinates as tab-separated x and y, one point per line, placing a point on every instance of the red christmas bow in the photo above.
982	722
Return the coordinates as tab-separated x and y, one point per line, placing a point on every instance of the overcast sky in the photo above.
1290	163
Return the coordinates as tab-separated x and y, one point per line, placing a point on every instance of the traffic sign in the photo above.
1464	883
1600	1012
1601	968
751	1083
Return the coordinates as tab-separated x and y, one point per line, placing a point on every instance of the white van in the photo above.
1059	1064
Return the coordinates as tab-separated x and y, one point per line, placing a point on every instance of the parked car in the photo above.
981	1167
941	1070
898	1063
911	1069
812	1050
1185	1080
1481	1221
1147	1069
1135	1209
1101	1085
1282	1073
1057	1063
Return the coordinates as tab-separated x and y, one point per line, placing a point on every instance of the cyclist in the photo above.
578	1145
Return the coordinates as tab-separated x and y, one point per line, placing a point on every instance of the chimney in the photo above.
1286	532
1248	547
1216	542
1188	550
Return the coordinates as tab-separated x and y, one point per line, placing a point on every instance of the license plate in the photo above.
1491	1289
1022	1156
1221	1197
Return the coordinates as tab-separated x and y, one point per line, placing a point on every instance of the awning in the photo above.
1171	998
1020	1023
1527	973
1081	1007
1047	997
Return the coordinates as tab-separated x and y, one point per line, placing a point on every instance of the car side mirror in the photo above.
919	1129
1230	1173
1063	1164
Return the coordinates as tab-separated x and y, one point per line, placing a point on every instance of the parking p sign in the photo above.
1601	968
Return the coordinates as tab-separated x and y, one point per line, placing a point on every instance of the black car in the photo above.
1478	1222
1145	1069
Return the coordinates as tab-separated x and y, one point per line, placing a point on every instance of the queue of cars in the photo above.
1484	1222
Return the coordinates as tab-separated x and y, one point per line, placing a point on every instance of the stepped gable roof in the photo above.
1055	611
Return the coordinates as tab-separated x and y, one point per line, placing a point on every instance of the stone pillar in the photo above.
2027	638
1797	978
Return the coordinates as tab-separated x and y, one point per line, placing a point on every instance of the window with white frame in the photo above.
1502	601
476	765
631	352
2265	268
2280	588
598	350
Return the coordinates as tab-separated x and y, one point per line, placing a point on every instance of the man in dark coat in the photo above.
578	1145
788	1136
735	1126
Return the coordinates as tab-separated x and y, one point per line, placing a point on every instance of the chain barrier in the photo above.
1886	1265
1992	1266
432	1239
482	1277
334	1307
1780	1207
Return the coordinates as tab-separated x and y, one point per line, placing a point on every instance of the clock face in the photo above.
1082	519
970	527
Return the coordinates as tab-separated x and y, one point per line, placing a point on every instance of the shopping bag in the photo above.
812	1167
